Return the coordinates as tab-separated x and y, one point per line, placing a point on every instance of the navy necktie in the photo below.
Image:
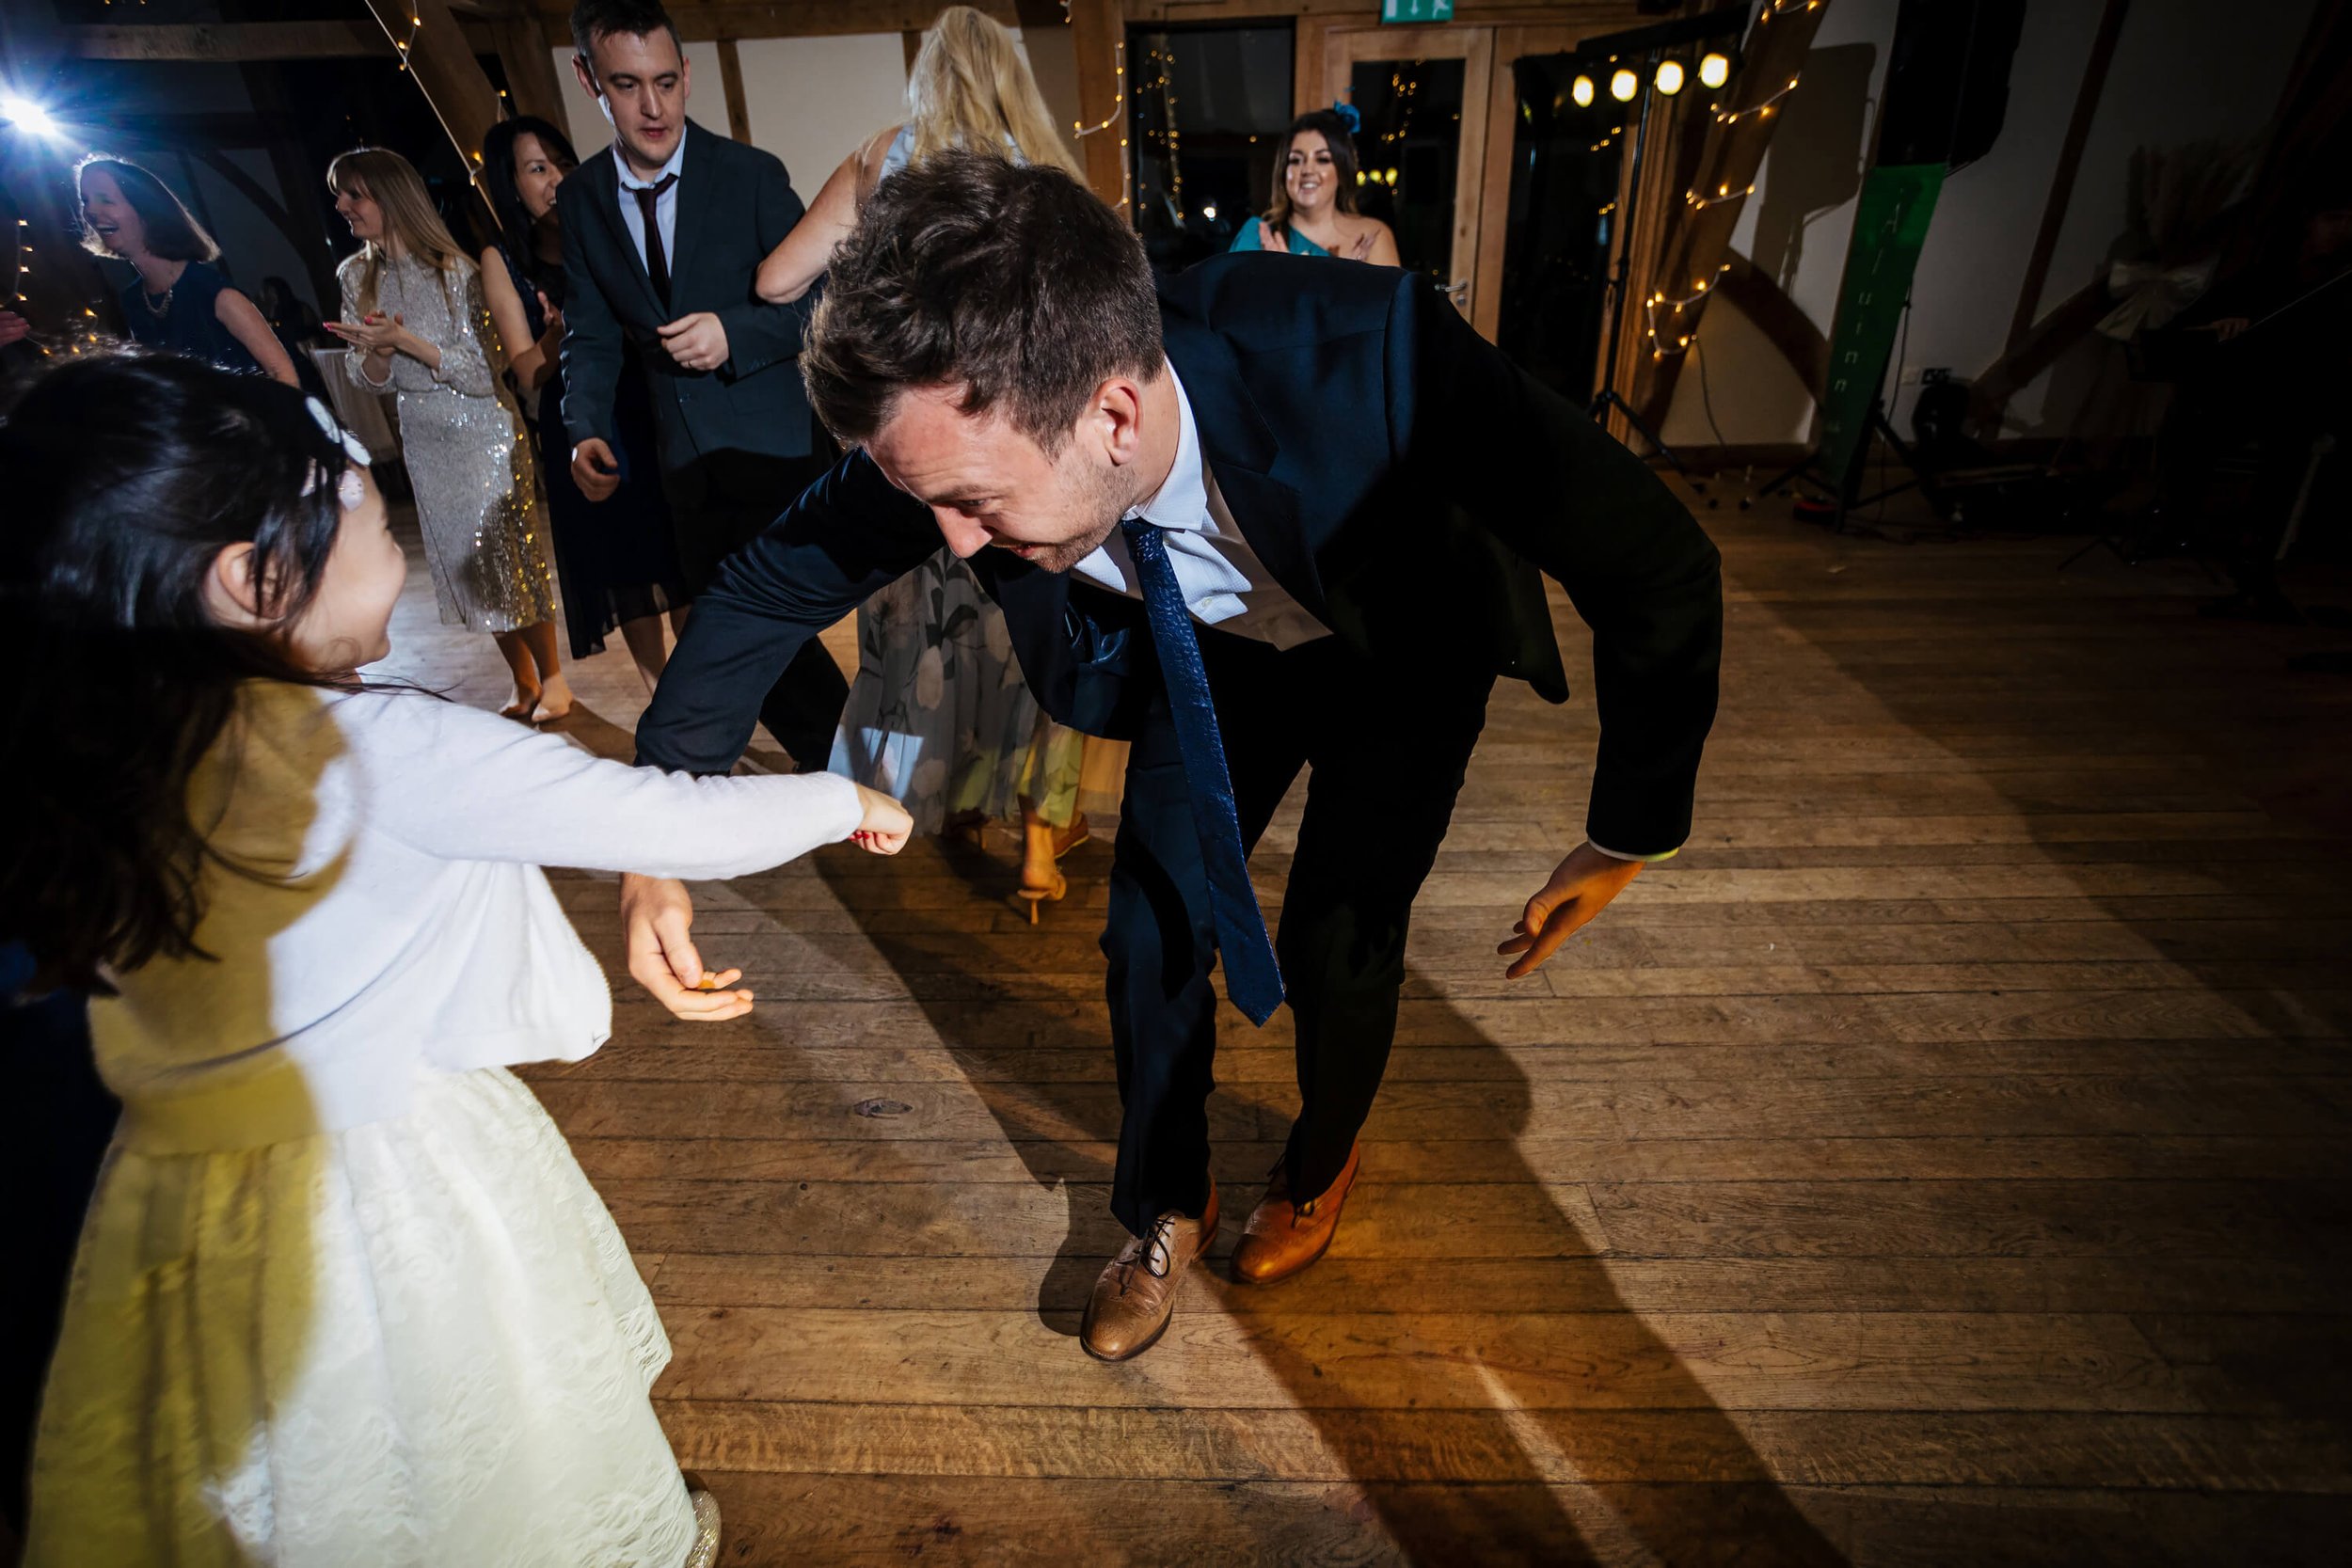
1252	979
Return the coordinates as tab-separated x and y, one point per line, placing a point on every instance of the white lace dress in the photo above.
345	1299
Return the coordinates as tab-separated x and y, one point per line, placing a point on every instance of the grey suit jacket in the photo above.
735	204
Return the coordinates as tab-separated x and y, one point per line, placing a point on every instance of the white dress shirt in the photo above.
664	205
1224	583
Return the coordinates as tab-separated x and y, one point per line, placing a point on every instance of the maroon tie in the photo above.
657	264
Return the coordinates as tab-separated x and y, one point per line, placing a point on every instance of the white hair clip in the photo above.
349	489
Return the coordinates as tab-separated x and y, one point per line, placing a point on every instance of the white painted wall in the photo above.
2176	77
812	100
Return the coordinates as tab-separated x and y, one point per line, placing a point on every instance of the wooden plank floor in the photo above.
1943	1162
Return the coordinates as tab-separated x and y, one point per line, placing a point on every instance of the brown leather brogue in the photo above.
1282	1237
1136	1297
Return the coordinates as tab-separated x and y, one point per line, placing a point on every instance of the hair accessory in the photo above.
1352	115
349	489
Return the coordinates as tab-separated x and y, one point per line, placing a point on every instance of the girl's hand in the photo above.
1361	249
886	827
1270	238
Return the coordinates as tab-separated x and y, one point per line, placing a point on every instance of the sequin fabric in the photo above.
485	532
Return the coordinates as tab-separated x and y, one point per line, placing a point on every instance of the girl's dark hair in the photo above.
1343	166
172	232
497	179
127	474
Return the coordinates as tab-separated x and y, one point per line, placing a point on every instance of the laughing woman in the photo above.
417	324
1314	211
180	302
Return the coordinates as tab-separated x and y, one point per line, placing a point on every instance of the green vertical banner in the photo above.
1890	224
1416	11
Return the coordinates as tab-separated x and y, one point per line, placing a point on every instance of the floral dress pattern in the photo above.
937	715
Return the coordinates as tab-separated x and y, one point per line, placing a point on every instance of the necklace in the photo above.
160	308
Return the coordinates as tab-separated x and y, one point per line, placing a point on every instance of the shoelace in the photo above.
1151	1250
1279	1180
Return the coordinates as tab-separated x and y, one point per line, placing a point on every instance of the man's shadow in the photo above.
1413	1388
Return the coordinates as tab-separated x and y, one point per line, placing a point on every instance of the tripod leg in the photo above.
2103	539
1779	482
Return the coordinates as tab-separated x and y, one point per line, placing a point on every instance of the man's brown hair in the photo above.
970	270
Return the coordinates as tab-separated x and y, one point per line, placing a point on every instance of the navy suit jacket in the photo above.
1397	475
735	204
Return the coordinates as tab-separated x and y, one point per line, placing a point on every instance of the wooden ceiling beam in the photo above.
250	43
441	59
748	19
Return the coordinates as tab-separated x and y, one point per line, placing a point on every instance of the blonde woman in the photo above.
414	316
937	715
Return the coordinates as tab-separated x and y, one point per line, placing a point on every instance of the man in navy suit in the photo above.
663	231
1266	515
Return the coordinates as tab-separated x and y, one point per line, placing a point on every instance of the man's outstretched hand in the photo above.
658	915
1581	889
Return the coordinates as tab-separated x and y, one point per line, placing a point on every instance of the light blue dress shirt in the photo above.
1225	584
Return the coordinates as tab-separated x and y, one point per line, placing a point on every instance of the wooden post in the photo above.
1736	130
731	78
1099	35
437	53
532	87
2070	160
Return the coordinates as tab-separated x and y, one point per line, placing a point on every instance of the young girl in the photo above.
344	1297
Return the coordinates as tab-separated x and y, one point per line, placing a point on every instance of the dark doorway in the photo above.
1206	110
1411	151
1564	163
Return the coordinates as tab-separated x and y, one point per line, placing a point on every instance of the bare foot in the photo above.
555	701
521	706
1042	846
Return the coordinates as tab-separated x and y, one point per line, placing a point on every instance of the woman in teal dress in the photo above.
1314	211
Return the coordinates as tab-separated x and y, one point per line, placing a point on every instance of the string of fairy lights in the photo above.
1115	120
1161	58
81	336
1681	342
416	25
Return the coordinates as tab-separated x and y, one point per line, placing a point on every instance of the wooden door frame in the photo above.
1321	72
1650	205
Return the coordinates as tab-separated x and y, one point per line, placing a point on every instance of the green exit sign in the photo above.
1416	11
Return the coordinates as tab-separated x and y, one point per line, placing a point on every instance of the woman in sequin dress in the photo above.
414	316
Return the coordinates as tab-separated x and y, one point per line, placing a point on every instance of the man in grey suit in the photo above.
663	233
